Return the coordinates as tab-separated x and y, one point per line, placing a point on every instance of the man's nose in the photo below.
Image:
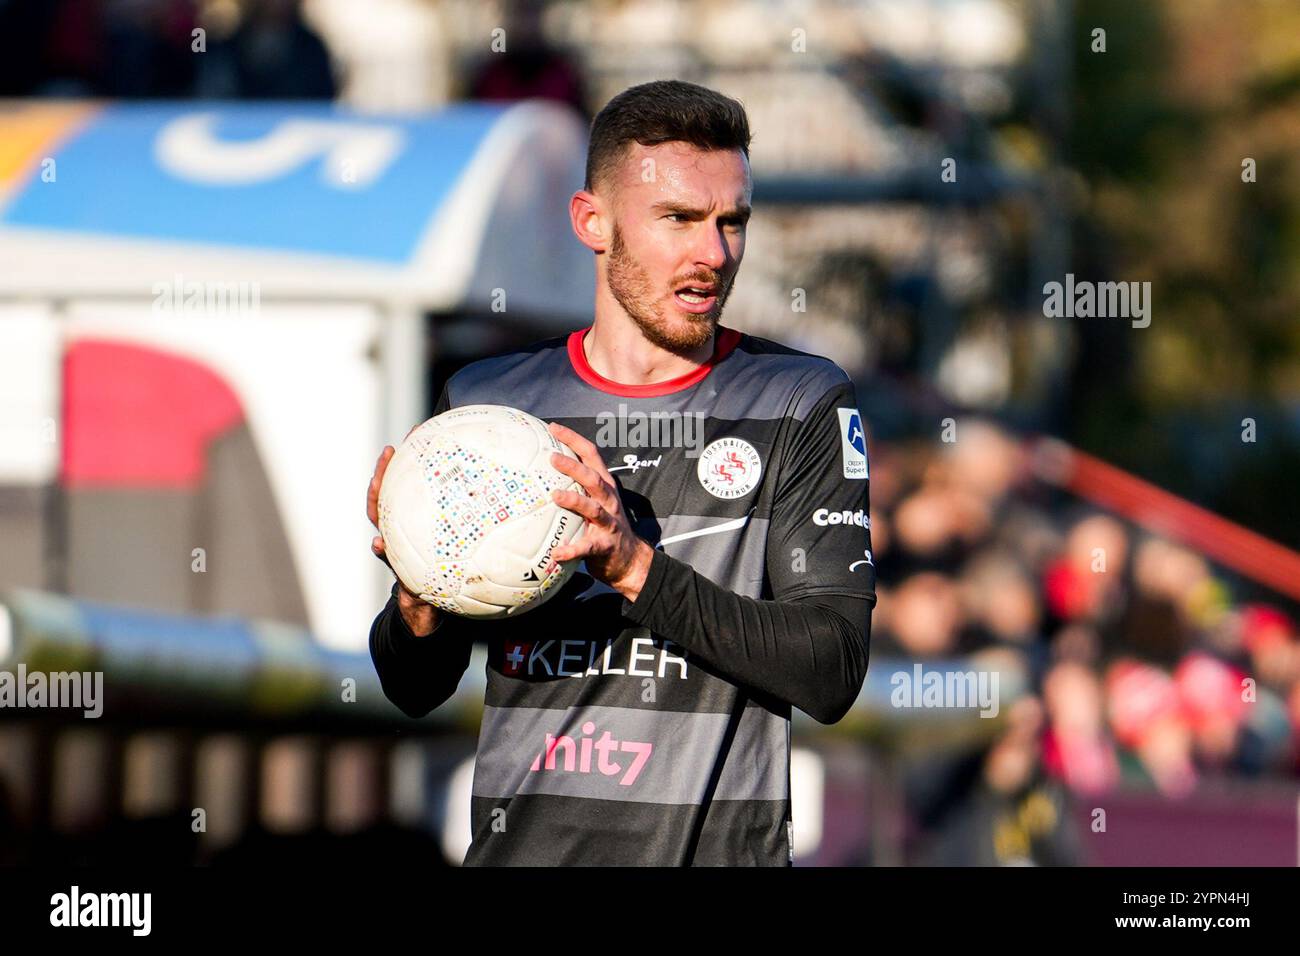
711	249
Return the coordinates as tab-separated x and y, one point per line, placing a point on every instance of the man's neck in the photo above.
618	351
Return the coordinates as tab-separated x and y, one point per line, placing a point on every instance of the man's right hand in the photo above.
420	616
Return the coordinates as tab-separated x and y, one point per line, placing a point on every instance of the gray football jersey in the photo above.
605	740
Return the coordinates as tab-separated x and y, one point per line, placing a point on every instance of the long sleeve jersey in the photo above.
656	731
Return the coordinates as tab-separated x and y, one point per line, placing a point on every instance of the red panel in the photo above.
139	417
1258	558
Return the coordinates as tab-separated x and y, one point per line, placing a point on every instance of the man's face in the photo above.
678	238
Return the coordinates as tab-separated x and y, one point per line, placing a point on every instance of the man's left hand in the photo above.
612	551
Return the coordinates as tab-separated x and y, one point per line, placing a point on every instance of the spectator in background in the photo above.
997	807
1076	747
272	55
1001	601
924	621
1146	715
529	67
148	49
1086	582
114	48
1267	636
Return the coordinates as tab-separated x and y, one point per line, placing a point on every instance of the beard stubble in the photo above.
630	285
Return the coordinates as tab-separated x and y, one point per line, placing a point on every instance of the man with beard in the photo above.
642	715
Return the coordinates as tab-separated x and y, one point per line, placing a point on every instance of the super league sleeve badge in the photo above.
853	443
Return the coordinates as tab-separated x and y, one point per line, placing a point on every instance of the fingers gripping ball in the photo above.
466	513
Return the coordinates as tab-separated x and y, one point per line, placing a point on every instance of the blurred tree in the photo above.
1163	121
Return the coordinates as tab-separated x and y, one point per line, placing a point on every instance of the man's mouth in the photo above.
696	298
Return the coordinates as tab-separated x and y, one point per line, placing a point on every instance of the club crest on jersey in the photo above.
729	468
853	443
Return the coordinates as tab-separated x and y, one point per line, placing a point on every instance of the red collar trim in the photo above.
724	343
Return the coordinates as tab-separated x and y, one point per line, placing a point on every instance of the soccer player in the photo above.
642	715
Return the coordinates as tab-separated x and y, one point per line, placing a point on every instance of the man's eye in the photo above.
677	216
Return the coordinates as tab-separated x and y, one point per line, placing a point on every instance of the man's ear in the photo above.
590	223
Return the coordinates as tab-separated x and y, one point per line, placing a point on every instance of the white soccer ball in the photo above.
466	514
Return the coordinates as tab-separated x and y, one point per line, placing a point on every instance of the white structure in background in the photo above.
390	55
329	236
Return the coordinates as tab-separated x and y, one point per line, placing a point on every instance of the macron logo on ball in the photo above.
853	443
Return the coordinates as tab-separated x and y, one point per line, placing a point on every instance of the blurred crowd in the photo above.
1143	666
160	49
238	49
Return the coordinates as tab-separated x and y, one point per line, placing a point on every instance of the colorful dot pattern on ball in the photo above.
473	494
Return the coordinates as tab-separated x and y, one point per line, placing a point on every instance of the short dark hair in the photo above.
662	112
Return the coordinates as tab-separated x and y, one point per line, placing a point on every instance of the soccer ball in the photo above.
466	514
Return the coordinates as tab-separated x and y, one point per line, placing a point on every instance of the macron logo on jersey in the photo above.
853	443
